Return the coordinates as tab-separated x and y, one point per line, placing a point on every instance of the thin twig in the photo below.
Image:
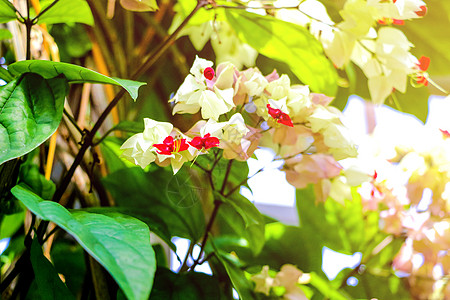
217	204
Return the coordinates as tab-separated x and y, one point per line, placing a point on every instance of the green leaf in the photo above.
30	112
72	40
7	11
73	74
186	286
325	288
241	284
238	216
67	11
110	147
10	224
119	243
129	126
68	258
414	102
5	34
174	200
341	227
49	284
378	287
30	175
289	43
155	223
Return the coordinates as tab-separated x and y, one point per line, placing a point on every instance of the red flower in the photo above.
205	142
422	12
280	116
208	73
388	21
424	63
170	146
445	133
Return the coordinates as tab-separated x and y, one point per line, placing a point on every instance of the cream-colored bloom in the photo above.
139	149
194	94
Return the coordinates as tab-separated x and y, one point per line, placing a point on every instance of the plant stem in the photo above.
28	25
20	264
184	266
217	204
225	179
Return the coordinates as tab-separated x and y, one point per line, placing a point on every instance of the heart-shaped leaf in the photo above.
67	11
7	11
73	74
48	283
30	112
118	242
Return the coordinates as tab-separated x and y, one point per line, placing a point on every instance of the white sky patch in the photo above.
334	262
4	244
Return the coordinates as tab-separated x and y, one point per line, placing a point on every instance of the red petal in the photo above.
197	143
168	141
424	63
422	12
211	142
163	149
208	73
445	133
274	112
398	22
182	145
286	120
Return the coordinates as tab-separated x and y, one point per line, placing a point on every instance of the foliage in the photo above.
95	189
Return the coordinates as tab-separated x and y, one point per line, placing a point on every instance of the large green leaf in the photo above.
110	147
49	285
378	287
414	102
5	34
324	287
30	112
289	43
73	74
186	286
239	217
69	260
67	11
155	223
237	277
173	200
340	226
30	175
72	40
10	224
118	242
7	11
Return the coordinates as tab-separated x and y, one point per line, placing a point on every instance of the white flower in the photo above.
194	94
139	149
199	66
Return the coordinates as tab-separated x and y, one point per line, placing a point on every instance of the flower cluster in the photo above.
243	110
409	187
362	37
289	277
